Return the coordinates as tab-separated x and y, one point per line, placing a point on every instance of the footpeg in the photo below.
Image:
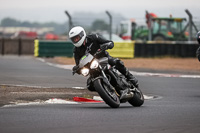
125	95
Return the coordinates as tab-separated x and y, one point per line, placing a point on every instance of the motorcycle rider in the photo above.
91	44
198	50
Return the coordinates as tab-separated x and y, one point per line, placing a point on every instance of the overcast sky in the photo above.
53	10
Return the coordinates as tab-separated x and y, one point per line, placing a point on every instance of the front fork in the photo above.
105	80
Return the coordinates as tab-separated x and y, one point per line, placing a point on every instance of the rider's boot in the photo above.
125	94
132	79
123	70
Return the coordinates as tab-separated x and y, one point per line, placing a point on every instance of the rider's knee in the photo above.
119	63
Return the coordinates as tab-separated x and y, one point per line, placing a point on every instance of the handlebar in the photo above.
98	52
76	68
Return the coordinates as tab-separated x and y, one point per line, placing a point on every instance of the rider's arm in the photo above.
104	43
76	57
108	45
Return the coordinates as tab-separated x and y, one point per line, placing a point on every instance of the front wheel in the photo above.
138	98
110	98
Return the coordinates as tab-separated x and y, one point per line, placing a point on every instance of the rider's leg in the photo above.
125	92
123	70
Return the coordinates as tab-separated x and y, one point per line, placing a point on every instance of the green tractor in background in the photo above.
162	29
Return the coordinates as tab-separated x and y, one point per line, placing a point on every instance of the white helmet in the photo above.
77	36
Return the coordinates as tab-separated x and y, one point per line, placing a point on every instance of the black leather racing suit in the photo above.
95	42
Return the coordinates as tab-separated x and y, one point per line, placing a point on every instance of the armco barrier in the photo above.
53	48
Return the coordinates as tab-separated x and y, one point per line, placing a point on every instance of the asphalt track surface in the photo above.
29	71
177	109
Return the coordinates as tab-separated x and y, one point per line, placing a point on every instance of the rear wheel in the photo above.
109	97
138	98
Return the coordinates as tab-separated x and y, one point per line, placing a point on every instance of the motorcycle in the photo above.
107	81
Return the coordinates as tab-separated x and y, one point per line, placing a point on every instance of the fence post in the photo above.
110	28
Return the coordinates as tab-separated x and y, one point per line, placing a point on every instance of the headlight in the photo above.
94	64
85	71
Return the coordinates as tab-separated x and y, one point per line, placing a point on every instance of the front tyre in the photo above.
138	98
110	98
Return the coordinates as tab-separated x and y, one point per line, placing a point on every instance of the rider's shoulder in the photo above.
93	36
74	50
77	49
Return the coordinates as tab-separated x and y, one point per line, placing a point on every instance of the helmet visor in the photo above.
78	37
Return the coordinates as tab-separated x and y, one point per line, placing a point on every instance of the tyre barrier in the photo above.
53	48
127	49
64	48
160	49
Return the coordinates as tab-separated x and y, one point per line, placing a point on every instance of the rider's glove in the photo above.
75	68
106	46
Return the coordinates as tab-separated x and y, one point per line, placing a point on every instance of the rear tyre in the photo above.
138	99
104	93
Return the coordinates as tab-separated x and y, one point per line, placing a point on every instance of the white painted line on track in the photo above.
29	86
40	59
69	67
148	97
50	101
60	101
164	75
79	88
21	104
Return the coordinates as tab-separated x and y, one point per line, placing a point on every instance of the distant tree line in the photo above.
97	24
10	22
